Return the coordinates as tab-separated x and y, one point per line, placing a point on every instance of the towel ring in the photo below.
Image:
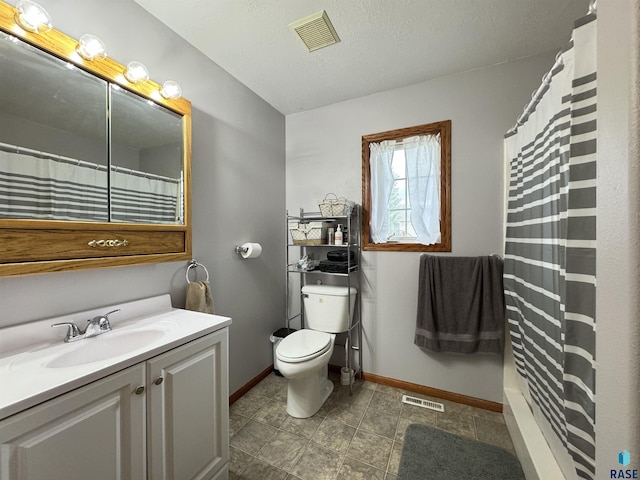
193	264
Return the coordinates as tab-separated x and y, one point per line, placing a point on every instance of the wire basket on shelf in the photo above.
335	207
308	233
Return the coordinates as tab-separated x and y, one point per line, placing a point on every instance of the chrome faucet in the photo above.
96	326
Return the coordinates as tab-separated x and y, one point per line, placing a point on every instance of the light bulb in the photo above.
171	90
136	72
90	47
32	17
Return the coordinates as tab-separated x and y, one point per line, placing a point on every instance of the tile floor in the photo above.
351	437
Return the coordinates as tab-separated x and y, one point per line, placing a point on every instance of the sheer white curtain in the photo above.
381	174
422	154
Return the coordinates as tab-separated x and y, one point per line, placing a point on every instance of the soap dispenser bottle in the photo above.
338	236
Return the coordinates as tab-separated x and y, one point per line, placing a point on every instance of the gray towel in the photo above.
199	297
460	304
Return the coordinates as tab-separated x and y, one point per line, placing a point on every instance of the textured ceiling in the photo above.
384	43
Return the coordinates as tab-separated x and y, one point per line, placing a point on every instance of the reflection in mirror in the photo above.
55	151
146	161
53	147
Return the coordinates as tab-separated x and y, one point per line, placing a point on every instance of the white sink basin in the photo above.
106	346
36	365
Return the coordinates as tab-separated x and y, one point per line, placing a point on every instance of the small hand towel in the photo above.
199	297
460	304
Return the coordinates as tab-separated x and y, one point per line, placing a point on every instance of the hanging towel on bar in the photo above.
199	297
460	304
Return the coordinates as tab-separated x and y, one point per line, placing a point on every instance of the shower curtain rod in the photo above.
6	147
537	94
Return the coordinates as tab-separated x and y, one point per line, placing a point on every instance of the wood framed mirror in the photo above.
94	169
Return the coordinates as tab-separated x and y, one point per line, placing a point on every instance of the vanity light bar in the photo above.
33	18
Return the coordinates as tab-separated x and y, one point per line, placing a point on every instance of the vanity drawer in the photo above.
27	245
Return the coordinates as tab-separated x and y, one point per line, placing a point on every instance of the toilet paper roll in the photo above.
346	376
251	250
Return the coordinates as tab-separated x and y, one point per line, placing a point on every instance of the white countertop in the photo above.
26	351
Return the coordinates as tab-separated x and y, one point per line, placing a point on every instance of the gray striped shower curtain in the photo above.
59	188
550	247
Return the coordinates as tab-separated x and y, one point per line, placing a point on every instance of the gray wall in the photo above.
324	155
618	263
238	193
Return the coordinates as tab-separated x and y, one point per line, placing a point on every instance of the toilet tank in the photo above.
327	308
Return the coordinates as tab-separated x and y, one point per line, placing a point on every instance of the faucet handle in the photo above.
106	315
73	332
103	320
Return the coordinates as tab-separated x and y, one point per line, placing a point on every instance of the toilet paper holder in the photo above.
240	249
248	250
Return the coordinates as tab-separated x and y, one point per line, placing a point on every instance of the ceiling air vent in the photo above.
315	31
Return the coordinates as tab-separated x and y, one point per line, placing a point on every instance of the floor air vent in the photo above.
420	402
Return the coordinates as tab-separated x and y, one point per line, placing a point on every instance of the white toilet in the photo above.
303	356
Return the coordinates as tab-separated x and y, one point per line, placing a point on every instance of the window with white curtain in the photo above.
406	189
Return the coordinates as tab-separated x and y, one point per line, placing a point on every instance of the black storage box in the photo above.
341	255
329	266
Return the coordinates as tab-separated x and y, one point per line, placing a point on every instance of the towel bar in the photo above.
193	264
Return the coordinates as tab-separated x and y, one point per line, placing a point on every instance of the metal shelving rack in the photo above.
352	224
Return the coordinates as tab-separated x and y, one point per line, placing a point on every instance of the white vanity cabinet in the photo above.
97	432
165	418
188	411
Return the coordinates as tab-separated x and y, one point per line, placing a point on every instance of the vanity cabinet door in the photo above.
95	432
188	410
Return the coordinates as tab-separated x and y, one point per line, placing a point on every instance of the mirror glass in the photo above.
75	147
53	137
146	161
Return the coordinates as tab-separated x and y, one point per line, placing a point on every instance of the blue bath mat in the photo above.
429	453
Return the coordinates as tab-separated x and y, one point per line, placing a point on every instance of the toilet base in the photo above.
307	394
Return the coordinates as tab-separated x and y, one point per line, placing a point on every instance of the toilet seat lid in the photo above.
303	344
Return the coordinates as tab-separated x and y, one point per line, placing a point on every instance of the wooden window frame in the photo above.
444	129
